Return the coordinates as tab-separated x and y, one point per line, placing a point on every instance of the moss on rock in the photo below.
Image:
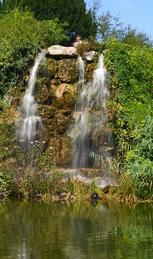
89	71
67	70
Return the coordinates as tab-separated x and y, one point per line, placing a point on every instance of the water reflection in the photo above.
58	231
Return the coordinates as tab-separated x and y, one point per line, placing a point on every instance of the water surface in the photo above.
40	231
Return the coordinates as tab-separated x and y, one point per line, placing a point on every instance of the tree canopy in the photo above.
22	36
74	13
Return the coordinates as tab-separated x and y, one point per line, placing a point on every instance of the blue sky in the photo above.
138	13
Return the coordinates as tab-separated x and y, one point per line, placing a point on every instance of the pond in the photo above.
38	230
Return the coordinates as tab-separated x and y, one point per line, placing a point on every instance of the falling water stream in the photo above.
81	66
32	124
91	135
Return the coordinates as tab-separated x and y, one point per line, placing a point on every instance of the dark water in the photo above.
37	230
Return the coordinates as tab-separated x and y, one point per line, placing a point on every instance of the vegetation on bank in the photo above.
131	72
129	60
47	186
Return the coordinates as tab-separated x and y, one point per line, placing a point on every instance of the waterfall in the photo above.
81	66
32	124
90	133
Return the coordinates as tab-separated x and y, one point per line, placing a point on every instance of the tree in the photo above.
108	26
135	38
111	27
21	37
72	12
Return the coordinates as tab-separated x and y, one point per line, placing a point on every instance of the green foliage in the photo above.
44	161
22	37
5	184
131	70
109	26
3	104
135	38
72	12
145	139
32	184
140	170
5	141
126	190
47	186
140	160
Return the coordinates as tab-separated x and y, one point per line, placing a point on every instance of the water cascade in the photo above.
81	66
32	124
92	139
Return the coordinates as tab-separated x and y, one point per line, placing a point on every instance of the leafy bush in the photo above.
131	72
139	161
5	183
141	174
32	184
49	186
21	37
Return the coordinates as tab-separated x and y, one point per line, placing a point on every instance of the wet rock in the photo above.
95	196
53	82
65	96
48	115
67	71
48	69
51	67
47	112
59	151
62	195
89	71
89	55
57	50
63	151
62	122
61	90
43	93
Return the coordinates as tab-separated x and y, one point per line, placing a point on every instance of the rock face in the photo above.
67	70
56	93
57	50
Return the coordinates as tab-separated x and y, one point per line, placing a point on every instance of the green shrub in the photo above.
5	184
131	76
49	186
33	184
139	160
21	38
141	175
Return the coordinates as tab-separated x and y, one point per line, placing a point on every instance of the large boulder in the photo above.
65	96
89	55
57	50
